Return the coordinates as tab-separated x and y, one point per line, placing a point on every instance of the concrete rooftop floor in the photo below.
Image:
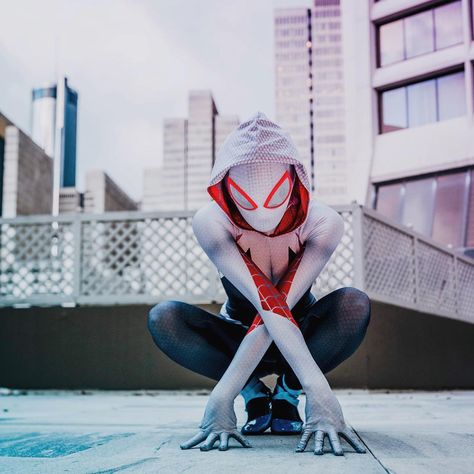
108	432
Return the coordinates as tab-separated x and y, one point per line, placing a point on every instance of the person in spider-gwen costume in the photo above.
269	242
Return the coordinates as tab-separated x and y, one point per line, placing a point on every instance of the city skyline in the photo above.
135	92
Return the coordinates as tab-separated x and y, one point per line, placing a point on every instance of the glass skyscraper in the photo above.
54	125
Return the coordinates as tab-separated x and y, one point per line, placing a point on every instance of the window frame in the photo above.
468	191
406	84
406	14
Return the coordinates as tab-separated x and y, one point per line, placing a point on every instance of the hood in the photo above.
259	140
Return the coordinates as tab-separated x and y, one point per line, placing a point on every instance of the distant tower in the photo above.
201	151
294	83
54	125
309	92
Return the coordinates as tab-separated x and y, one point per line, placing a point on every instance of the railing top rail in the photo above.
106	216
143	215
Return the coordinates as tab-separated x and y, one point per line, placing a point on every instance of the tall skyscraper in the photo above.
201	149
54	127
293	80
189	148
175	157
411	113
310	92
331	178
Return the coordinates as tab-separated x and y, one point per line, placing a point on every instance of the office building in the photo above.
54	126
70	200
200	147
154	197
224	125
189	149
331	177
103	194
26	173
409	77
170	183
310	93
293	80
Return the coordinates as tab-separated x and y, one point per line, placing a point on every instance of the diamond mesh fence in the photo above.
147	257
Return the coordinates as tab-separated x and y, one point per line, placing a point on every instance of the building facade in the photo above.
224	125
293	80
169	184
27	176
103	194
189	149
331	177
309	90
54	128
201	147
70	200
410	69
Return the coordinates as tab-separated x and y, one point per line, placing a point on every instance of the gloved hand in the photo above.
219	420
324	418
219	423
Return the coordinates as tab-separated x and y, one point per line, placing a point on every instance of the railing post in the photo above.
77	239
417	271
456	294
358	246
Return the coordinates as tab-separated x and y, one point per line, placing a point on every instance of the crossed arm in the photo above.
274	321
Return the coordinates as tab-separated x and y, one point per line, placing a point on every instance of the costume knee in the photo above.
356	305
161	320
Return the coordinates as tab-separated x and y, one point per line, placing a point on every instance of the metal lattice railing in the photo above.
136	257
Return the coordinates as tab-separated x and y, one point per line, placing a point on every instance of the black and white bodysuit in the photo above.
269	241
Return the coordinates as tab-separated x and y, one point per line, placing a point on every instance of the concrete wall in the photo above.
27	178
110	348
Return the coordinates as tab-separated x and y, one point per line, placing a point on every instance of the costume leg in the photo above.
194	338
334	328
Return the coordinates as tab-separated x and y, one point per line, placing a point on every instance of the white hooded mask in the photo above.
262	192
258	179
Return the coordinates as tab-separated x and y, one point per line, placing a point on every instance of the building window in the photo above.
389	201
470	213
421	33
419	38
394	110
451	96
448	25
440	206
423	102
421	98
391	43
417	211
449	218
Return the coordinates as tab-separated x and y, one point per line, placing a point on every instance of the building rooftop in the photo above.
108	432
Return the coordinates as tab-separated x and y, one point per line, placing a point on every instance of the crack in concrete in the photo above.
371	452
126	466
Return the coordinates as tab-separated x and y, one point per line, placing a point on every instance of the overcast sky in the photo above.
133	63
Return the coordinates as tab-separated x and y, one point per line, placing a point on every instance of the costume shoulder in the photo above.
322	221
211	225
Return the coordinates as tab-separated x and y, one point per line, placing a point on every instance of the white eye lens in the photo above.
240	196
279	193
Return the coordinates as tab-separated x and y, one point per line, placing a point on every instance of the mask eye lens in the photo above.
279	193
240	196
